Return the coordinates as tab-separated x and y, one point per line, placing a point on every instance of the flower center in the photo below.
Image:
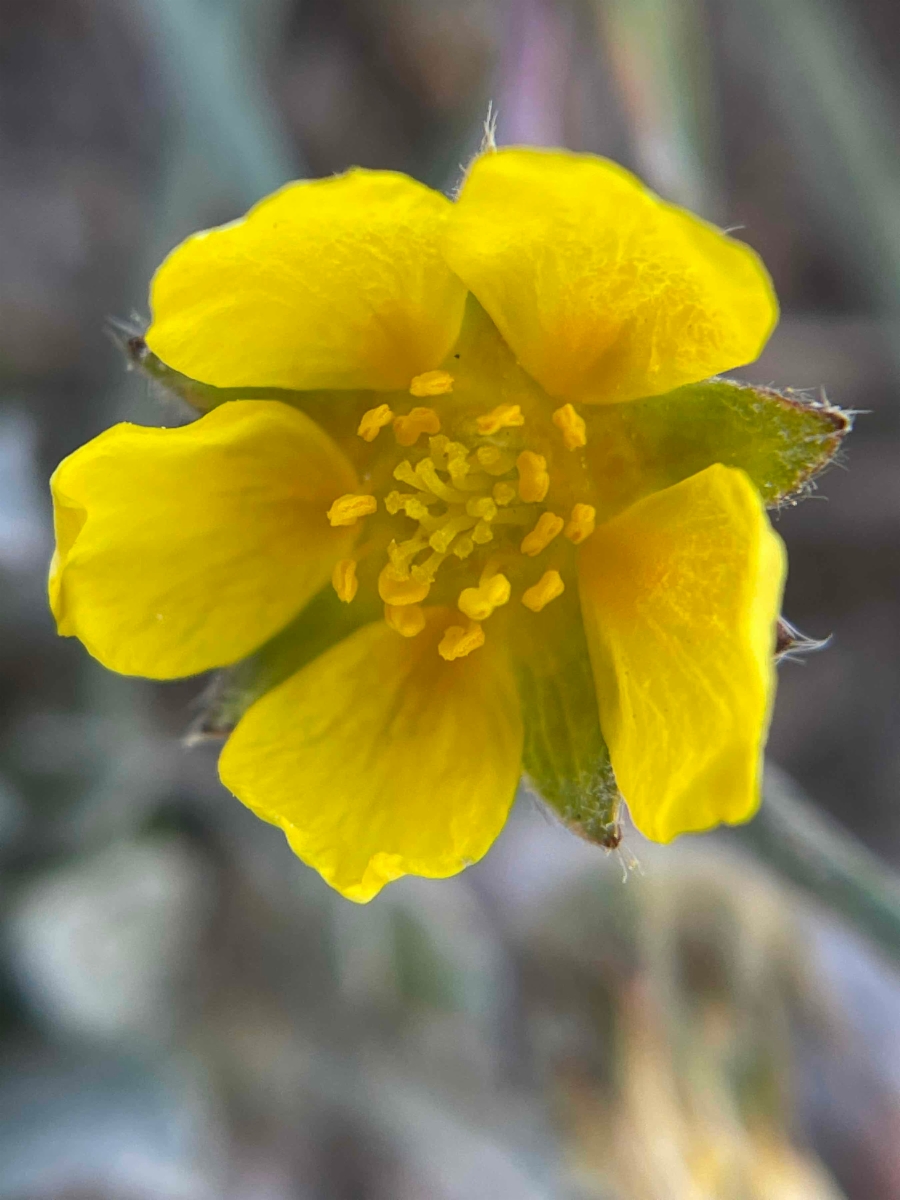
471	507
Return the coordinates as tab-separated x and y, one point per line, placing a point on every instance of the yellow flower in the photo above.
420	506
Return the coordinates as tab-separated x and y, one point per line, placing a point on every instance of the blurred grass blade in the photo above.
660	53
842	118
794	838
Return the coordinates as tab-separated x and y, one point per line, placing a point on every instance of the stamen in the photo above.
420	420
396	588
438	447
457	642
581	523
571	426
479	603
441	538
463	547
547	588
504	416
494	460
431	383
547	528
401	556
428	479
482	533
534	481
343	579
347	510
504	493
374	421
457	461
407	620
426	571
482	506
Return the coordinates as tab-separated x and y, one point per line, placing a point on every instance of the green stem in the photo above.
794	838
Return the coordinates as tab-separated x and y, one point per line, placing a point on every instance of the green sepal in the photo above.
202	397
781	439
322	623
565	756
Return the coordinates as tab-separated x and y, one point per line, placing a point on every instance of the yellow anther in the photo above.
504	416
504	493
497	589
534	481
547	588
478	603
347	510
343	579
463	547
374	421
396	589
581	523
547	528
431	383
494	460
571	426
482	533
408	619
482	506
420	420
458	642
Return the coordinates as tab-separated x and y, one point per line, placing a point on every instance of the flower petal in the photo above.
184	549
680	595
603	291
328	283
380	759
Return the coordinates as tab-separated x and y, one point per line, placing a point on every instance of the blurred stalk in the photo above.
659	50
229	147
842	118
225	148
793	837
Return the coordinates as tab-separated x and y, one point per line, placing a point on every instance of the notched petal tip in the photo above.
418	758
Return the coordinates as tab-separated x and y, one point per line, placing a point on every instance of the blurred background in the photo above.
186	1011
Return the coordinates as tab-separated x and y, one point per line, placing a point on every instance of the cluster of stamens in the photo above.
461	499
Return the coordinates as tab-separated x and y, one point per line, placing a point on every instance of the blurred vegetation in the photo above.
186	1011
